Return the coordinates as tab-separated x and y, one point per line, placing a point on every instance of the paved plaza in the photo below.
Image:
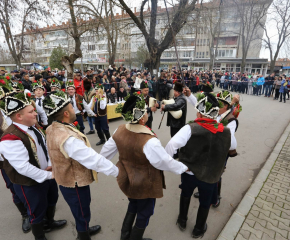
262	123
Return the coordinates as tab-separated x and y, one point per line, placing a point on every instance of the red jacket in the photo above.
79	87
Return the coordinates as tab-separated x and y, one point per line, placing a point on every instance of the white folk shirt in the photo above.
40	111
192	100
153	151
103	103
88	157
87	107
17	155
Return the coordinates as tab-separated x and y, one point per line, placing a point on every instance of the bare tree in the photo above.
25	13
5	55
155	47
251	15
77	26
280	19
104	12
210	16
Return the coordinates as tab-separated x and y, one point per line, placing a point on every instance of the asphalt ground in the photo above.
262	122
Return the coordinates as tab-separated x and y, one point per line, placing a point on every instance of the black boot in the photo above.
26	227
137	234
219	195
200	226
90	132
108	135
37	231
183	211
127	225
50	223
92	231
84	236
196	195
102	138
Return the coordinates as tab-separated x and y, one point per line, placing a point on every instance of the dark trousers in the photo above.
80	120
10	186
206	190
283	95
277	93
144	208
37	198
101	124
79	200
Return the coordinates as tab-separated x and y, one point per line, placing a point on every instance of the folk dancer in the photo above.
78	103
27	164
5	122
88	95
38	90
147	161
228	113
74	162
180	104
150	110
204	146
99	107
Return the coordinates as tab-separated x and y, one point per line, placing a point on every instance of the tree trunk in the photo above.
272	65
68	63
211	61
153	62
243	64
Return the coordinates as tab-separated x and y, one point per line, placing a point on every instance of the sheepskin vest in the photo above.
14	133
205	153
67	171
137	178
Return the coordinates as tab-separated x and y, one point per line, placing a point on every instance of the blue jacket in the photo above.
261	81
281	90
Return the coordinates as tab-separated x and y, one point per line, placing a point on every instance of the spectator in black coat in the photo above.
26	82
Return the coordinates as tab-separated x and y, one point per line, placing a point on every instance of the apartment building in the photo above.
193	44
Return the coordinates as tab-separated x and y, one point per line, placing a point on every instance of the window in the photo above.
187	54
222	41
202	54
197	42
207	54
91	47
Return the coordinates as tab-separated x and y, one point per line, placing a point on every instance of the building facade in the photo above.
194	42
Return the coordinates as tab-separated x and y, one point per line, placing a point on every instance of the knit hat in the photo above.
133	109
36	85
15	101
207	105
69	84
55	101
178	87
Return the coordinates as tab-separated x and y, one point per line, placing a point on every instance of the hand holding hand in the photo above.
49	169
162	107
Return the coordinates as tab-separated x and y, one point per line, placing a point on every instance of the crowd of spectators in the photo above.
118	82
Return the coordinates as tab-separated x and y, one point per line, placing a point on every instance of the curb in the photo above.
232	228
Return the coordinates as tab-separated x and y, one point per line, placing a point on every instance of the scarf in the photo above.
210	124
